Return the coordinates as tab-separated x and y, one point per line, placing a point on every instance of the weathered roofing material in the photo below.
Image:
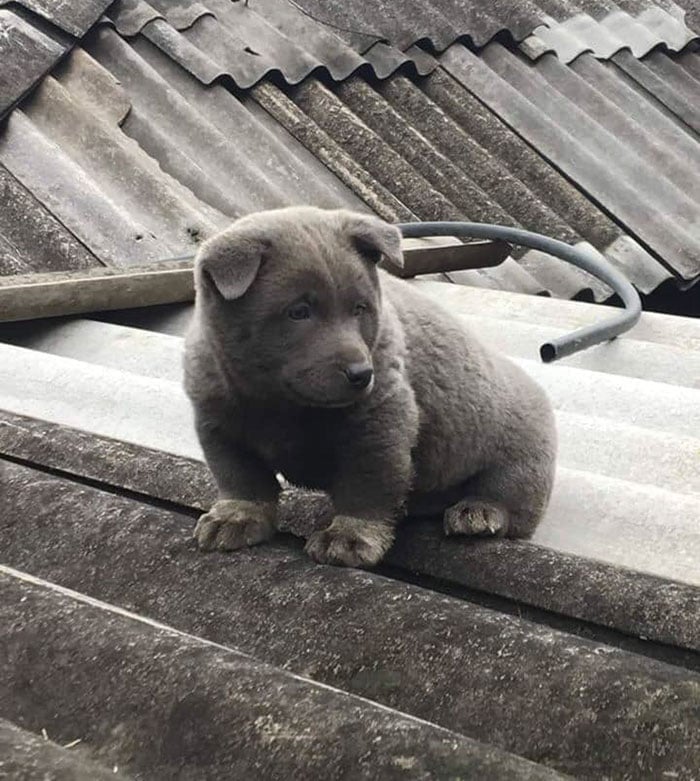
629	437
25	756
615	32
442	22
451	663
168	700
75	17
638	604
34	36
633	161
406	149
79	177
250	42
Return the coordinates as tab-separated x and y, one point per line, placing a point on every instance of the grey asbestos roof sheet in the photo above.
69	147
612	33
448	146
622	407
83	490
406	149
442	22
626	153
34	36
75	17
248	42
158	702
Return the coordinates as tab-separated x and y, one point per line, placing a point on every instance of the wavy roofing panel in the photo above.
442	22
200	158
27	53
31	237
75	17
34	36
446	156
612	33
218	38
630	156
627	493
429	149
248	41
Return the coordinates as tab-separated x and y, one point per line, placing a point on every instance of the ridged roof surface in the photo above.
540	634
124	651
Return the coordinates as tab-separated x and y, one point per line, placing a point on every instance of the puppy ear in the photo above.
231	260
374	239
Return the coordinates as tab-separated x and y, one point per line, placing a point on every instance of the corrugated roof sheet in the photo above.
250	42
75	17
34	36
604	37
626	153
434	147
247	42
628	412
442	22
618	549
68	147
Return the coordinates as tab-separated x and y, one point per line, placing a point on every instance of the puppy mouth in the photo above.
310	401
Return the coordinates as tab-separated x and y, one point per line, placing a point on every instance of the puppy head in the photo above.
292	296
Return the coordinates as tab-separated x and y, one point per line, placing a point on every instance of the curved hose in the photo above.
598	267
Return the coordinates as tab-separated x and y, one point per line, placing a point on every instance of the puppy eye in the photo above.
360	309
299	312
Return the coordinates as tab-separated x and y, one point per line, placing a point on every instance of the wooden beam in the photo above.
32	296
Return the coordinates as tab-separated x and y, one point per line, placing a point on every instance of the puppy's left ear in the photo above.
231	259
375	239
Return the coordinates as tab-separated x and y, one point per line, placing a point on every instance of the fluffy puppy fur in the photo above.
306	359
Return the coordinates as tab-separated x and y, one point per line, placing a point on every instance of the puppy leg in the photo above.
371	487
351	542
476	517
246	510
507	500
235	523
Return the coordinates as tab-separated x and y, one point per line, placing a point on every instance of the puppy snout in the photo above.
359	375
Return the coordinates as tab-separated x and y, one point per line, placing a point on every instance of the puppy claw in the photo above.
232	524
351	542
476	519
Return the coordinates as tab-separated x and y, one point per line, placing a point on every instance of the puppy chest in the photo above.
305	454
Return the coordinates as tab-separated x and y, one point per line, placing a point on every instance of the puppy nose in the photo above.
359	375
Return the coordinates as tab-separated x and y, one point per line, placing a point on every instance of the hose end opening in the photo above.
548	352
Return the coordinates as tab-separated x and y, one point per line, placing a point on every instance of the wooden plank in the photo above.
33	296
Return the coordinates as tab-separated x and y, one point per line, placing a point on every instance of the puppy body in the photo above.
286	302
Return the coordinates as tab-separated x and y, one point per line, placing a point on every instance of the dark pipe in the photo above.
597	266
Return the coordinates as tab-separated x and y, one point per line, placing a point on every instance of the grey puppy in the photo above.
305	359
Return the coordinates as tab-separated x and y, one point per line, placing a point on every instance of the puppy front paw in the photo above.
476	518
235	523
351	542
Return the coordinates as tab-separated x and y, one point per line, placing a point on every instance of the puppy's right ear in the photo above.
231	261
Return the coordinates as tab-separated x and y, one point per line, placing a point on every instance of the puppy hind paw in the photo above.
351	542
232	524
476	519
